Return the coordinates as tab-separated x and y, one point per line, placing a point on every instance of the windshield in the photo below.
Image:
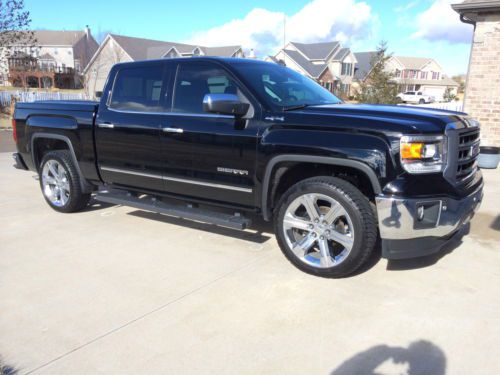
282	87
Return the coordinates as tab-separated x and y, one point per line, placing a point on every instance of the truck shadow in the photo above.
96	205
259	231
420	358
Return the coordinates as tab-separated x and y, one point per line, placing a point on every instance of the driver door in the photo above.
207	155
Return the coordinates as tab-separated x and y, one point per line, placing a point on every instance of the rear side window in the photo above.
195	80
139	89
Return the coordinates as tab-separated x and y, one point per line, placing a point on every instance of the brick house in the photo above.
120	48
57	60
482	92
410	74
328	63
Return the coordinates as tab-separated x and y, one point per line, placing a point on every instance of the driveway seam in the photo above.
145	315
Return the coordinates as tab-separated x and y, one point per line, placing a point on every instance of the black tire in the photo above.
421	101
78	200
358	208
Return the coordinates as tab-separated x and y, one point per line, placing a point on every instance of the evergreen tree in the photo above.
378	87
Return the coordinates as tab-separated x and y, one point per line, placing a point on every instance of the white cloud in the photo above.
318	21
441	22
407	6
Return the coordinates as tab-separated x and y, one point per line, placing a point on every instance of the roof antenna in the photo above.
284	37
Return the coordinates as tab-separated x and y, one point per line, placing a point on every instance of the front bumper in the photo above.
412	227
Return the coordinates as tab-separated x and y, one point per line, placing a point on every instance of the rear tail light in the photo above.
14	130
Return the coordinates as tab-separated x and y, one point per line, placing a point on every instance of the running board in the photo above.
148	203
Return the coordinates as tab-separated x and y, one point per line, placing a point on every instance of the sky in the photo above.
424	28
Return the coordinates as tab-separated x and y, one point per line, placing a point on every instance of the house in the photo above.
328	63
482	91
410	74
119	48
57	60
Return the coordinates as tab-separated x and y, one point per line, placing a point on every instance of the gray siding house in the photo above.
330	64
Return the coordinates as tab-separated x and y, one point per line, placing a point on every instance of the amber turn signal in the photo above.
412	150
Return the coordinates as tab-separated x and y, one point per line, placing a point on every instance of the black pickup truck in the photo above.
229	137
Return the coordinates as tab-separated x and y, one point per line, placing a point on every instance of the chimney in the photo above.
251	55
87	31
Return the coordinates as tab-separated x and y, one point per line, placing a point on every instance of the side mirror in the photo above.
227	104
98	94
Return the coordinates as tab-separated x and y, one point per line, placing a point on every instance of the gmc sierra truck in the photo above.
226	138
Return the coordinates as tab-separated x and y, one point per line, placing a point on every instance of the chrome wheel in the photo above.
55	183
318	230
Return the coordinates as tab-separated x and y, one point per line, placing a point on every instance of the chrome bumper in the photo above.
401	218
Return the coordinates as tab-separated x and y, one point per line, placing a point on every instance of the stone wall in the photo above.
482	98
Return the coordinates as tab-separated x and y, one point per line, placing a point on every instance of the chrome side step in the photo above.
149	203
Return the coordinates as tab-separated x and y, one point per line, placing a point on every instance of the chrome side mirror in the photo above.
226	104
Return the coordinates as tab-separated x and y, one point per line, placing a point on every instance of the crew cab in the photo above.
221	140
415	97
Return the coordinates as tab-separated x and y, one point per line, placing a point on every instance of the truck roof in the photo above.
225	60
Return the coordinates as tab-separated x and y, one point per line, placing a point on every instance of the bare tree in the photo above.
14	30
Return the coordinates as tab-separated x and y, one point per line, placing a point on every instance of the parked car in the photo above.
227	138
415	97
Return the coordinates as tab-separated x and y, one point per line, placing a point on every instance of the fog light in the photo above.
420	213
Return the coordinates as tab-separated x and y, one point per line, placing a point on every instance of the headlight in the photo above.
422	154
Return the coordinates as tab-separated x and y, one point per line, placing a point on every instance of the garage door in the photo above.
436	92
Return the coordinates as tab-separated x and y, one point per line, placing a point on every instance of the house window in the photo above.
398	73
405	73
423	75
346	69
345	88
435	75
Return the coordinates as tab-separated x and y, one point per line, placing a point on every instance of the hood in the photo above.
375	117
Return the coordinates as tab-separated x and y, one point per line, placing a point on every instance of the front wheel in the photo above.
421	101
60	182
326	227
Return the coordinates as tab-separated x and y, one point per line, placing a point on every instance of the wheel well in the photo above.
43	145
288	174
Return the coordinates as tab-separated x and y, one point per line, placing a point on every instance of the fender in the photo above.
314	159
83	182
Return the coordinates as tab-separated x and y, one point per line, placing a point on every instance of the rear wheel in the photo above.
325	227
421	101
60	182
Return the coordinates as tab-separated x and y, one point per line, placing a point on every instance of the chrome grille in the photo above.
468	151
463	151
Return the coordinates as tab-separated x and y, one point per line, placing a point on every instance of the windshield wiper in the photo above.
295	107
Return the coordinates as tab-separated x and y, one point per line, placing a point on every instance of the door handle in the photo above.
106	125
173	130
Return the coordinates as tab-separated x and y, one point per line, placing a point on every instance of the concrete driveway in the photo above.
113	290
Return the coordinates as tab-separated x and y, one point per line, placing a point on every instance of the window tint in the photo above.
139	89
194	81
281	87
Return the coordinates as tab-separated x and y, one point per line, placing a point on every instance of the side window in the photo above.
195	80
139	89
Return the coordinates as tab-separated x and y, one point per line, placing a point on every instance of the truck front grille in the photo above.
463	151
468	152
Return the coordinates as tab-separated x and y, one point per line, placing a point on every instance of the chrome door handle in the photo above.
105	125
173	130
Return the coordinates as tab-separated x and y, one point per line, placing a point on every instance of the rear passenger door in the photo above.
206	155
128	127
